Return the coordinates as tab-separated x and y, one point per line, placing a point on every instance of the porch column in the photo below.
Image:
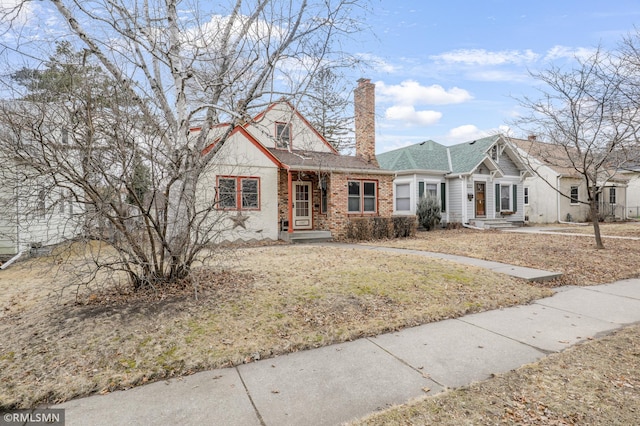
290	201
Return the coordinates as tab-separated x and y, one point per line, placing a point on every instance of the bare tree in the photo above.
586	117
327	107
130	159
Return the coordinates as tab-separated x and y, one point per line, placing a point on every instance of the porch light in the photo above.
469	197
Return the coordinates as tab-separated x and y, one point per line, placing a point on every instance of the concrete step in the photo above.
306	236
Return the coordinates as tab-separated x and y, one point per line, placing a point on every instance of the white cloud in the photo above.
484	58
469	132
410	92
409	116
565	52
465	132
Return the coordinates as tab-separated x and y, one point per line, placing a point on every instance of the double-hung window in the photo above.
574	195
506	198
403	197
283	135
362	196
238	193
612	195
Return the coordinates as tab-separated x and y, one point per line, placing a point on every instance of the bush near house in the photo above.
380	228
428	212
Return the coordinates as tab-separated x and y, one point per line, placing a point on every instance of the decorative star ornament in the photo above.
239	220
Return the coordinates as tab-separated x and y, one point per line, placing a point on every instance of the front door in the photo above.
480	199
302	205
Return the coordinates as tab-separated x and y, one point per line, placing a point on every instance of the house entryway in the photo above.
481	205
302	206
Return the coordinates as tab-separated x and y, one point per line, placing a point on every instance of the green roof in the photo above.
427	155
430	155
465	157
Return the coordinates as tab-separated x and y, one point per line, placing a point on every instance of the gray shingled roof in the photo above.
430	155
314	160
465	157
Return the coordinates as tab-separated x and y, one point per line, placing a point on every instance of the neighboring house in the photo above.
632	174
556	192
478	183
32	214
276	177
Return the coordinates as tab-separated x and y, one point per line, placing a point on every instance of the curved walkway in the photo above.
338	383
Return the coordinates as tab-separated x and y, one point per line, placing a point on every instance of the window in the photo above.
526	195
443	197
362	197
403	197
612	195
283	135
505	198
494	153
238	193
41	205
574	195
324	195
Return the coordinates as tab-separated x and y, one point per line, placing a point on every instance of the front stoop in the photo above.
306	236
494	224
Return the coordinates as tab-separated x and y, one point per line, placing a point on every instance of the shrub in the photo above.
428	212
378	228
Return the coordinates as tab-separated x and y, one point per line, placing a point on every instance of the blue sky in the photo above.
449	70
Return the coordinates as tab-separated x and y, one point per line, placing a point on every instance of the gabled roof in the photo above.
322	161
465	157
460	159
427	155
556	157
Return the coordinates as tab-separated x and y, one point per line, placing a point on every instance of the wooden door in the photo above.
481	205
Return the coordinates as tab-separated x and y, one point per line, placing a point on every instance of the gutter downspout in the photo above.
10	261
564	222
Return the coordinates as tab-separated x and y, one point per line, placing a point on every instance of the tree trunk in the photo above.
593	207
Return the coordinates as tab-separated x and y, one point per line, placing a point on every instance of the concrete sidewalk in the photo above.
338	383
529	274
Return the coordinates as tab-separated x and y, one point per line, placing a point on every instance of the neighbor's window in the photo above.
574	195
505	197
41	207
362	196
283	135
612	195
526	195
403	197
238	193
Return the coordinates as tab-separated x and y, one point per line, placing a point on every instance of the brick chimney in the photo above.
364	100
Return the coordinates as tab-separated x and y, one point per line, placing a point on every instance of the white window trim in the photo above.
577	200
395	195
504	185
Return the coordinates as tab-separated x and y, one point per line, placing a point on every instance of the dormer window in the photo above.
494	153
283	135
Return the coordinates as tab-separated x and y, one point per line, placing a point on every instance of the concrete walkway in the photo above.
338	383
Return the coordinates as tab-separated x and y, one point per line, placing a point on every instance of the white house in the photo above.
276	177
556	192
479	182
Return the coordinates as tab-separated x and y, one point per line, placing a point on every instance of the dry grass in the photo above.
596	383
258	303
575	256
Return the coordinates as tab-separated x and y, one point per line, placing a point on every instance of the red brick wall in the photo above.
364	102
337	217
